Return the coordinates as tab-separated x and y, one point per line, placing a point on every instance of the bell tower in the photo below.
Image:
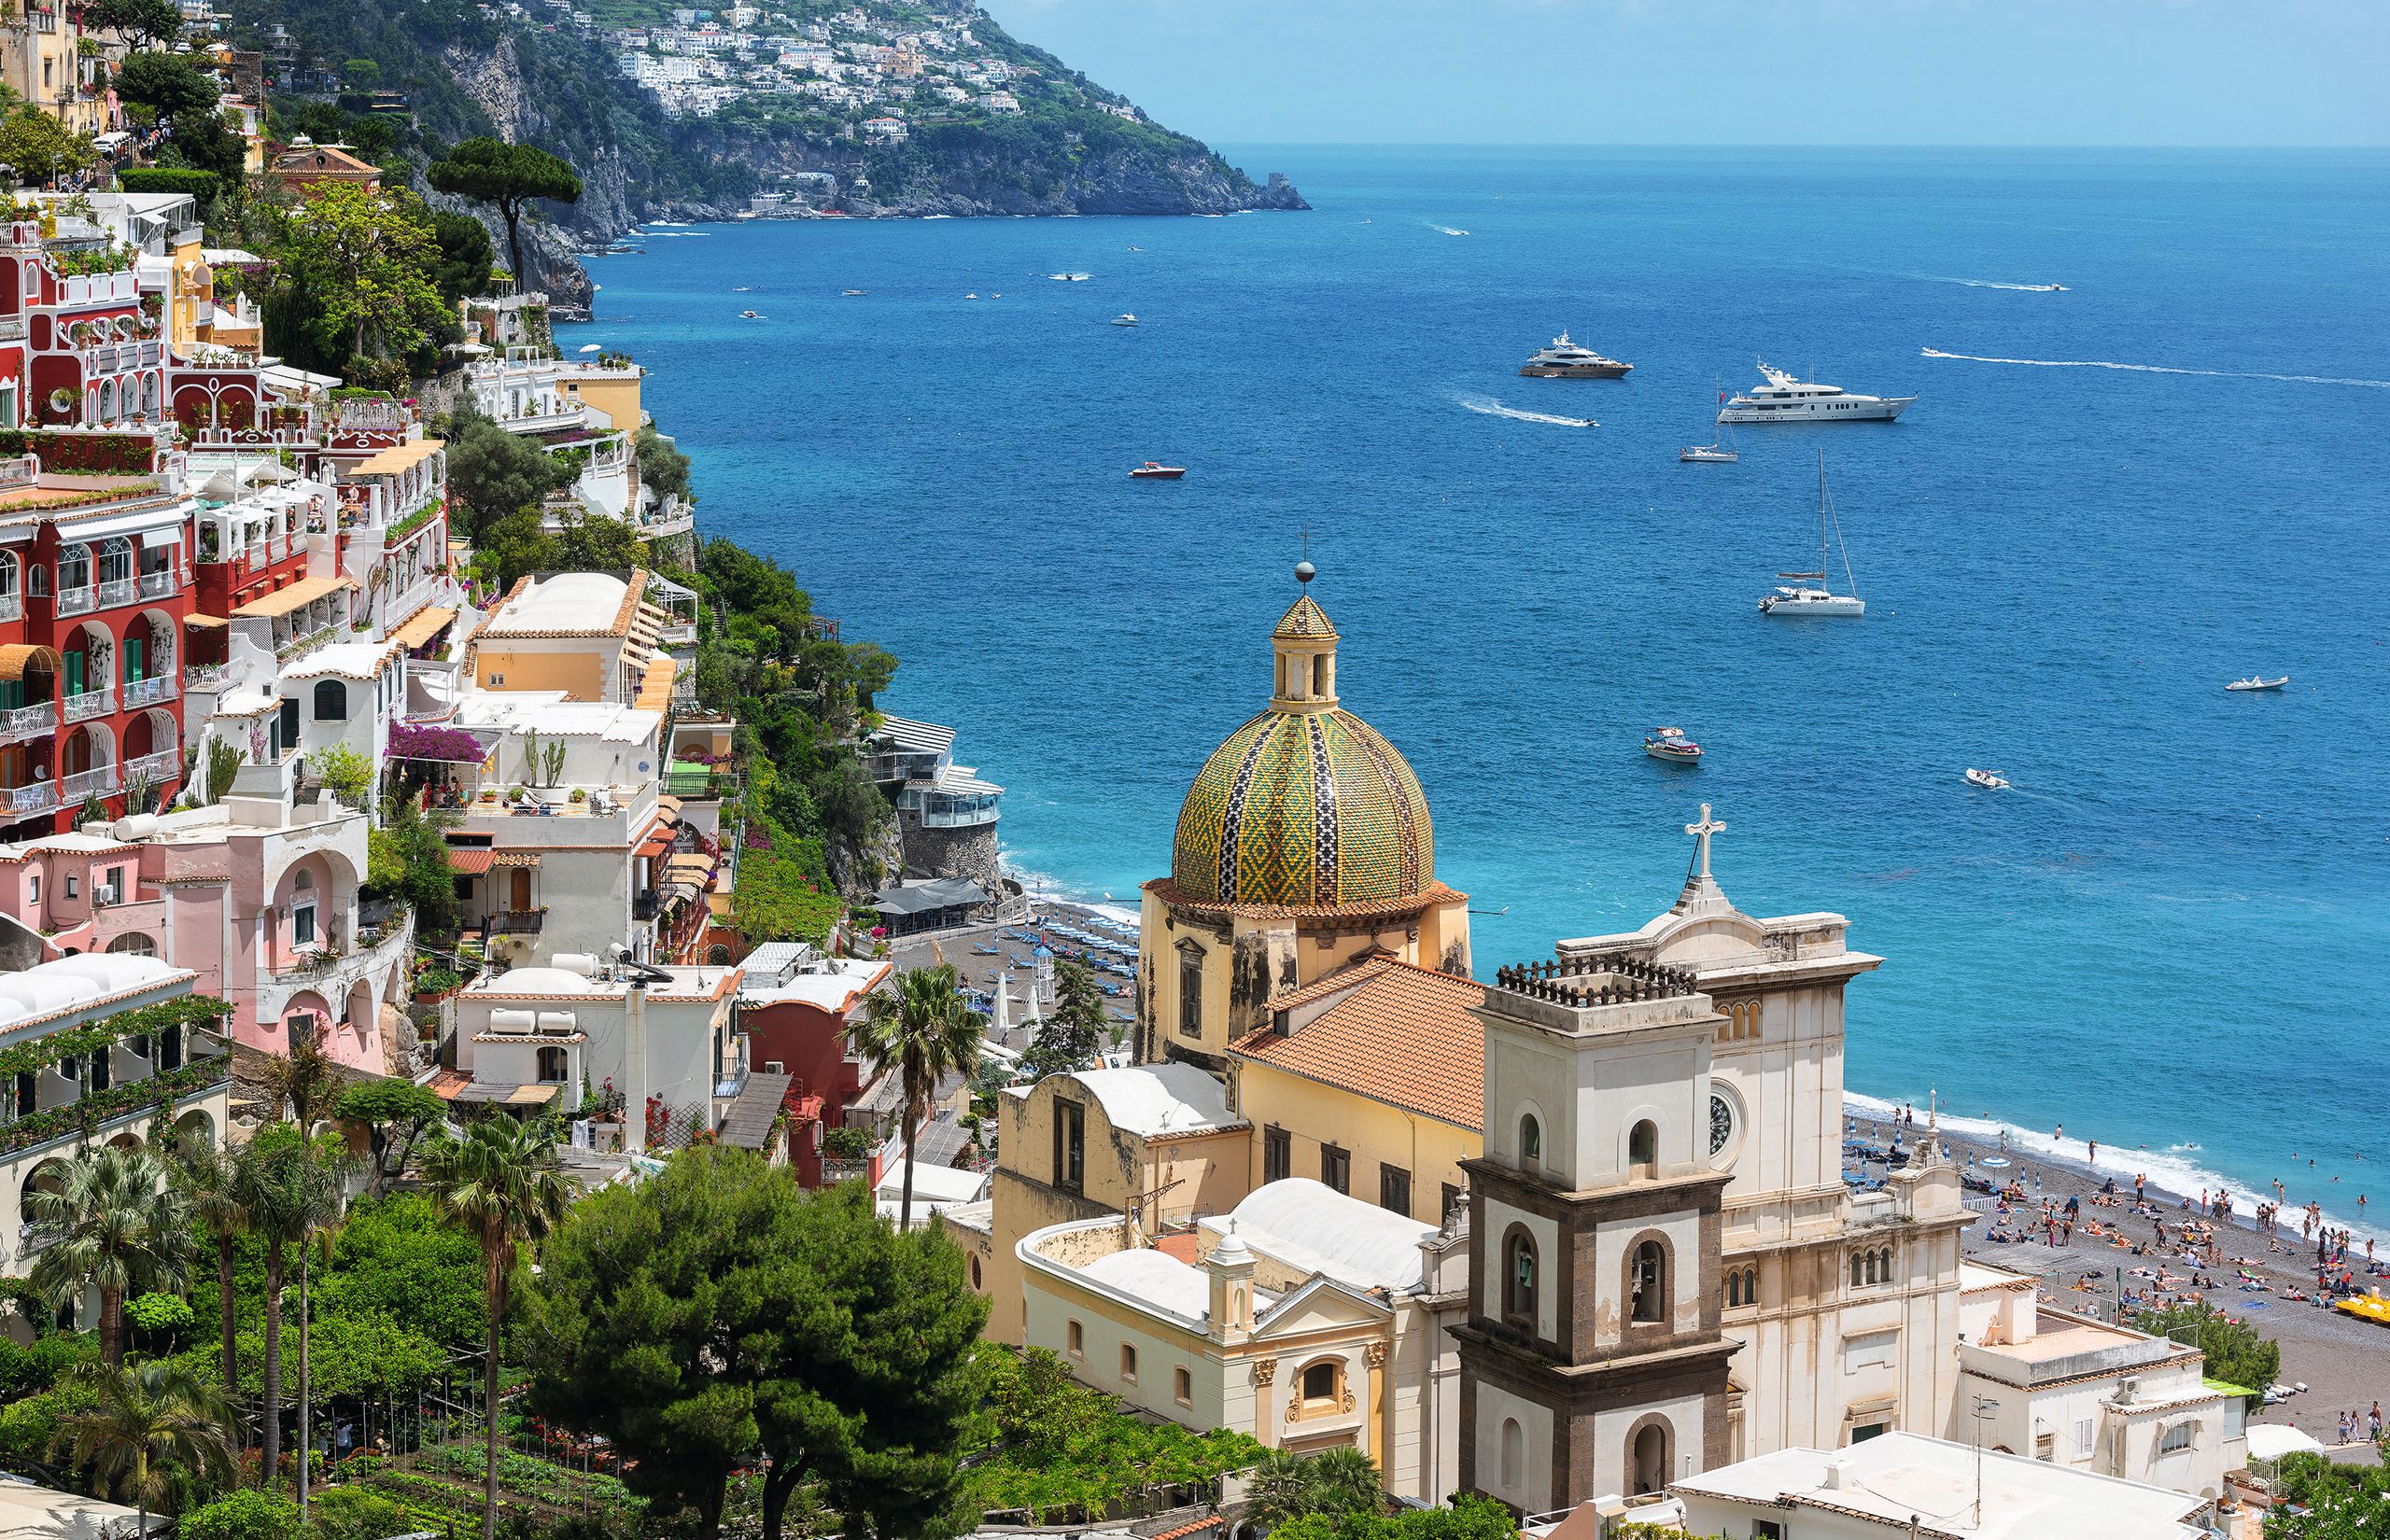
1593	1362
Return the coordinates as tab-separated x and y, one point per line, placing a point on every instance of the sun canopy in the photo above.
285	601
17	657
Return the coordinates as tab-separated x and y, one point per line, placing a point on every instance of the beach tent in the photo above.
2272	1440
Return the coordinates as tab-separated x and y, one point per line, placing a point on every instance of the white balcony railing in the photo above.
204	676
116	591
29	721
148	691
40	797
12	607
157	585
89	704
96	782
164	766
75	601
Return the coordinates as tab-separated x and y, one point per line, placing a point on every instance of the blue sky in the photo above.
1897	72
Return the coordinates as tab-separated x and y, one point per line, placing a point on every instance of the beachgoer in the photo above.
2094	1156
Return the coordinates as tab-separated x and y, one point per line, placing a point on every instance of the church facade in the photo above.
1669	1272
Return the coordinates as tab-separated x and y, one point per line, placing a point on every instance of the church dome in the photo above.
1305	806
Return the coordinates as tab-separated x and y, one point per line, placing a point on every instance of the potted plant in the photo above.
579	795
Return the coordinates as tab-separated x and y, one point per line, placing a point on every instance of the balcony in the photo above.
12	607
160	767
148	691
313	639
518	922
89	704
117	591
643	906
98	781
157	585
204	676
28	721
75	601
121	1105
19	801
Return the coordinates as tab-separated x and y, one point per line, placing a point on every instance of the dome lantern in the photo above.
1305	645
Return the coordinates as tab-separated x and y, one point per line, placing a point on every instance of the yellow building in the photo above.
589	634
608	388
1155	1143
42	59
1304	845
1303	1004
1371	1080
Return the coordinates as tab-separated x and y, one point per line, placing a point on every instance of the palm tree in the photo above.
1339	1483
924	1027
212	1184
288	1193
149	1422
119	1228
500	1180
326	1181
306	1081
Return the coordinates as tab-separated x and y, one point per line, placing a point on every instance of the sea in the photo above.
2171	934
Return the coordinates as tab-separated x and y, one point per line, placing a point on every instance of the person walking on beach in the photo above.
2094	1158
2373	1424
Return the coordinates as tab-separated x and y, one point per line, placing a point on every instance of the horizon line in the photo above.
1722	143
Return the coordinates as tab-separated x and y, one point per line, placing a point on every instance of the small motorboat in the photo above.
1708	454
973	295
749	315
1669	743
1985	780
851	291
1154	471
1124	319
2253	683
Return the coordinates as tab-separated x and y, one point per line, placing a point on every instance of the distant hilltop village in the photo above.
872	74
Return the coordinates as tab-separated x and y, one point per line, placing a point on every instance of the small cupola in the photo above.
1305	645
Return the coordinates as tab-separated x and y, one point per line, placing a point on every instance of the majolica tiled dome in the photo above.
1304	805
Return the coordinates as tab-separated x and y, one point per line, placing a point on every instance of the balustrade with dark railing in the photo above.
1595	980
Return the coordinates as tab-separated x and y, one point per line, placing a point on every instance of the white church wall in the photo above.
1686	1422
1514	1464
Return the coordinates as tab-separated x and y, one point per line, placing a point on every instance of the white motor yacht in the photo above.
1786	400
1567	360
1810	594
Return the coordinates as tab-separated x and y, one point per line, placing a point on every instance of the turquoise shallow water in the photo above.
2170	934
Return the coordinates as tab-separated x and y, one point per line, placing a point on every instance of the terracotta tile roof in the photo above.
1401	1034
1168	892
1196	1527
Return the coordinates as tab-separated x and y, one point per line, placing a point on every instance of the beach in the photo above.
2343	1362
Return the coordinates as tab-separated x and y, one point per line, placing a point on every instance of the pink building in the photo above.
259	898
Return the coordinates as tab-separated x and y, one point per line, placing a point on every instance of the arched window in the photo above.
551	1066
332	701
1648	1457
1857	1268
8	572
1643	1147
1519	1279
1647	1283
74	567
1322	1387
1514	1453
133	944
1530	1138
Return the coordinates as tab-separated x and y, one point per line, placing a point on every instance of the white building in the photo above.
2074	1392
663	1040
1902	1486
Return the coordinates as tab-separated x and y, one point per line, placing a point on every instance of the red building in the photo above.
795	1009
94	540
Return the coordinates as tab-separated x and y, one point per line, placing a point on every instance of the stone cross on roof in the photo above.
1701	831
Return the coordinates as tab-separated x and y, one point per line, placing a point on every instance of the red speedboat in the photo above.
1154	471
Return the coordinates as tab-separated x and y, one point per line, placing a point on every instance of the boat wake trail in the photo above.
2157	369
1446	229
1489	408
1993	283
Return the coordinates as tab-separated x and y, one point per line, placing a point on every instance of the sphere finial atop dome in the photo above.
1304	571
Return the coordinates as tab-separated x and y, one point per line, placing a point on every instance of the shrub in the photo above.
249	1515
202	185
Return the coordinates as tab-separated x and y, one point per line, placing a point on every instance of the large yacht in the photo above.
1786	400
1565	360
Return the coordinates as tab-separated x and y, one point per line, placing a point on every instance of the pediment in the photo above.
1320	1304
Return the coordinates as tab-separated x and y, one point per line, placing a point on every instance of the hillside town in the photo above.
506	1028
871	75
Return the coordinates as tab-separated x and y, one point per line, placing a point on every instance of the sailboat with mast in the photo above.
1811	594
1713	452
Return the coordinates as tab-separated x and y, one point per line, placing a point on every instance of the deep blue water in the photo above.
2173	931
